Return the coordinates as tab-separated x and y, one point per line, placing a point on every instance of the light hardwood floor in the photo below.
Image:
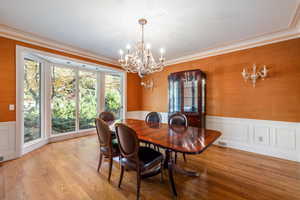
67	171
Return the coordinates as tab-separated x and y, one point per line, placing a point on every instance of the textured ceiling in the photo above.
182	27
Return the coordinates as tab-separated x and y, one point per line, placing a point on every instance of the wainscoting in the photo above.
273	138
7	140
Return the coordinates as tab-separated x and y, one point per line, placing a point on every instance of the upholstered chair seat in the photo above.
148	158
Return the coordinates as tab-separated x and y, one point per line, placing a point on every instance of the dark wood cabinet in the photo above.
187	95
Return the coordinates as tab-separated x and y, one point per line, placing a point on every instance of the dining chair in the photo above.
107	117
145	161
153	117
108	146
178	122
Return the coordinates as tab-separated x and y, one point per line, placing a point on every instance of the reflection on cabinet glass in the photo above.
187	95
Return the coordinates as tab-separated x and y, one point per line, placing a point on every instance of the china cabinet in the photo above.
187	94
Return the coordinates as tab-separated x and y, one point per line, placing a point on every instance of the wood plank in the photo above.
68	170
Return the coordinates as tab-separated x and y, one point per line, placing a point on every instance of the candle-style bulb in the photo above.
148	46
121	52
128	46
162	51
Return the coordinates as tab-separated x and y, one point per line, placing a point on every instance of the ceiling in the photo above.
182	27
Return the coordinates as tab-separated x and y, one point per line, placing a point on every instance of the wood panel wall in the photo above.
228	95
8	74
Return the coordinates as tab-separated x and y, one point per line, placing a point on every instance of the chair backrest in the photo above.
107	116
178	120
153	117
104	133
128	141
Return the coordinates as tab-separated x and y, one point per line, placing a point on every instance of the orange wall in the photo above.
276	98
134	92
8	77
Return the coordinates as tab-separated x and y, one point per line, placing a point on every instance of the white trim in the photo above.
72	135
33	146
240	45
35	51
102	92
273	138
19	100
30	38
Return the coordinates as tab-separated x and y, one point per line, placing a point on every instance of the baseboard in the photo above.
71	136
9	149
272	138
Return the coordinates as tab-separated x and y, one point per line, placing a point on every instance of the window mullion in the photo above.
102	92
77	99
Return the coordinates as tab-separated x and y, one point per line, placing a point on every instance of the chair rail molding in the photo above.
273	138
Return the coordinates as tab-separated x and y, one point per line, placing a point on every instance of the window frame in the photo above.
46	133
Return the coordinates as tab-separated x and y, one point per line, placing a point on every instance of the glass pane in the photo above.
113	94
32	100
87	99
175	95
63	100
190	95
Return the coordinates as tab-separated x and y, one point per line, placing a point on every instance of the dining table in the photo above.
188	140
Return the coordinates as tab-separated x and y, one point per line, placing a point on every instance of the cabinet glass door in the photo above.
174	94
190	92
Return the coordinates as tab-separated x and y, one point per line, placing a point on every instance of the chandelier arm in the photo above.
140	60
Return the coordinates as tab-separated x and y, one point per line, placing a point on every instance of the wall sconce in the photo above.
254	75
148	84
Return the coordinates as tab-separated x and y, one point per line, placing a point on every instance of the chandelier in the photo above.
139	59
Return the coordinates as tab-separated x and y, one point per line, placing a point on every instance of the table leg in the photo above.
170	165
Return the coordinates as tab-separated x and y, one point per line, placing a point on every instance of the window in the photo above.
32	100
87	99
113	94
63	100
56	99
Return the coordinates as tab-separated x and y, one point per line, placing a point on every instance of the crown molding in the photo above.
291	32
22	36
239	45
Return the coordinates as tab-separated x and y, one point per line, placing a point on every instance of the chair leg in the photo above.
184	158
175	157
161	171
121	176
100	161
110	167
138	185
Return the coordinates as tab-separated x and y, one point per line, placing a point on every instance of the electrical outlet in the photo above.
11	107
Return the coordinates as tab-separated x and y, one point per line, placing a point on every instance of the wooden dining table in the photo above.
190	140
